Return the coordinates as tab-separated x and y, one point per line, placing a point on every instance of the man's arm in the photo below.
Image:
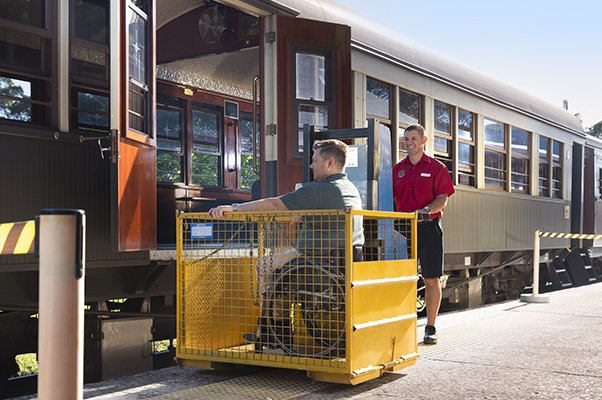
438	204
268	204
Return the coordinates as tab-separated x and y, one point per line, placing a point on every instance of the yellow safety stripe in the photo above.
555	235
17	237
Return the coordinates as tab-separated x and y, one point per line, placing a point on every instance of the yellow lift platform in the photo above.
247	296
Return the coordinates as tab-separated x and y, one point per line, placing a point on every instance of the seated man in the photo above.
330	190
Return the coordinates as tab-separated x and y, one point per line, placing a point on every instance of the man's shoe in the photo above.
430	335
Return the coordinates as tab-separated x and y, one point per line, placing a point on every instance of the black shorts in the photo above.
430	248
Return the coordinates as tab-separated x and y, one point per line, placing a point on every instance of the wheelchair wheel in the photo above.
306	310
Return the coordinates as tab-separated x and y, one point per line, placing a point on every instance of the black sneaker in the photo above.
430	335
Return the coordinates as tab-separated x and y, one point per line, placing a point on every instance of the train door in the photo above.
133	139
592	195
314	87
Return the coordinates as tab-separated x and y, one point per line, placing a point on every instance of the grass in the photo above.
28	364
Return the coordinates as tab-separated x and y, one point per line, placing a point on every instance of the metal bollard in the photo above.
535	297
61	304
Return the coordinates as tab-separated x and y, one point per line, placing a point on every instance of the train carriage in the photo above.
136	110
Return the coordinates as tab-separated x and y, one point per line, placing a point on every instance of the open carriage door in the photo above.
134	184
314	87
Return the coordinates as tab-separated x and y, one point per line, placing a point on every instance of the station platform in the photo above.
511	350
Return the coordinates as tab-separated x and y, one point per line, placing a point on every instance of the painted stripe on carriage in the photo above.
385	281
556	235
386	321
17	237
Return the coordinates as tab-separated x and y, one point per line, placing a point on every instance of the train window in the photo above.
139	96
443	134
206	152
310	79
378	96
247	173
556	169
520	165
30	12
313	95
466	160
409	108
312	115
170	112
92	20
495	155
23	50
91	111
14	96
544	167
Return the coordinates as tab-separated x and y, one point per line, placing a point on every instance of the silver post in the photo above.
535	297
61	304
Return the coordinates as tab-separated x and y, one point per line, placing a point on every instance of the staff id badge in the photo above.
201	231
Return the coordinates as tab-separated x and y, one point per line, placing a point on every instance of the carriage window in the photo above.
91	111
377	98
92	20
466	160
313	95
311	80
409	113
206	151
170	113
520	167
139	96
443	134
409	108
495	155
556	169
544	167
26	62
14	99
247	174
30	12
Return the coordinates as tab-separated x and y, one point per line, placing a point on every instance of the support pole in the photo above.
61	304
535	297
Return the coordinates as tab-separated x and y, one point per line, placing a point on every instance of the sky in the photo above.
549	48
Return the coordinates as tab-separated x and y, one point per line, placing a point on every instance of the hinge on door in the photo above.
270	37
114	148
270	130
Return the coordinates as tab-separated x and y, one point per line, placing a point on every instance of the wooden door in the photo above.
314	85
134	225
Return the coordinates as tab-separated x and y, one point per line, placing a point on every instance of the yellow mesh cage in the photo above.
283	289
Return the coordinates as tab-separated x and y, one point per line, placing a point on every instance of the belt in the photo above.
424	222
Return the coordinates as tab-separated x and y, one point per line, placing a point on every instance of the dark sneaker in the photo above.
430	335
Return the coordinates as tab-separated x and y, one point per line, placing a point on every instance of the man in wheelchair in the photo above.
309	276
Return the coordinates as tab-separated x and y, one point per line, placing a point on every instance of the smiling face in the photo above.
321	168
414	143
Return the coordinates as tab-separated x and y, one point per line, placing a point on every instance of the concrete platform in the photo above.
513	350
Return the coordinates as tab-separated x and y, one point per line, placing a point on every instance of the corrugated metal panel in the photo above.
476	221
37	174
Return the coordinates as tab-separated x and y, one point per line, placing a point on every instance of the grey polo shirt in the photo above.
320	234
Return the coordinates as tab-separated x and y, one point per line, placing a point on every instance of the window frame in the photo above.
525	156
502	152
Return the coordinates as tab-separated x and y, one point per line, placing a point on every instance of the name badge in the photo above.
426	175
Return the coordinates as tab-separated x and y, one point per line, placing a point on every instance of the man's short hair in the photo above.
415	127
332	148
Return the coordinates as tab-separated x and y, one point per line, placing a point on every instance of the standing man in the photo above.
422	183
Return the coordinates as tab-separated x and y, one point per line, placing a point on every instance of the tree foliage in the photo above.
595	130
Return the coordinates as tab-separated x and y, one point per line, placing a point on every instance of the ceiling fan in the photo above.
211	25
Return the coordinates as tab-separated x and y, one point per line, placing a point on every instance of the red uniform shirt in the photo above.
416	186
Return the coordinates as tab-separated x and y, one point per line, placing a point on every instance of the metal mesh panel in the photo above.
276	288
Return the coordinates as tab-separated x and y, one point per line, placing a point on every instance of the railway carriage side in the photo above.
136	111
